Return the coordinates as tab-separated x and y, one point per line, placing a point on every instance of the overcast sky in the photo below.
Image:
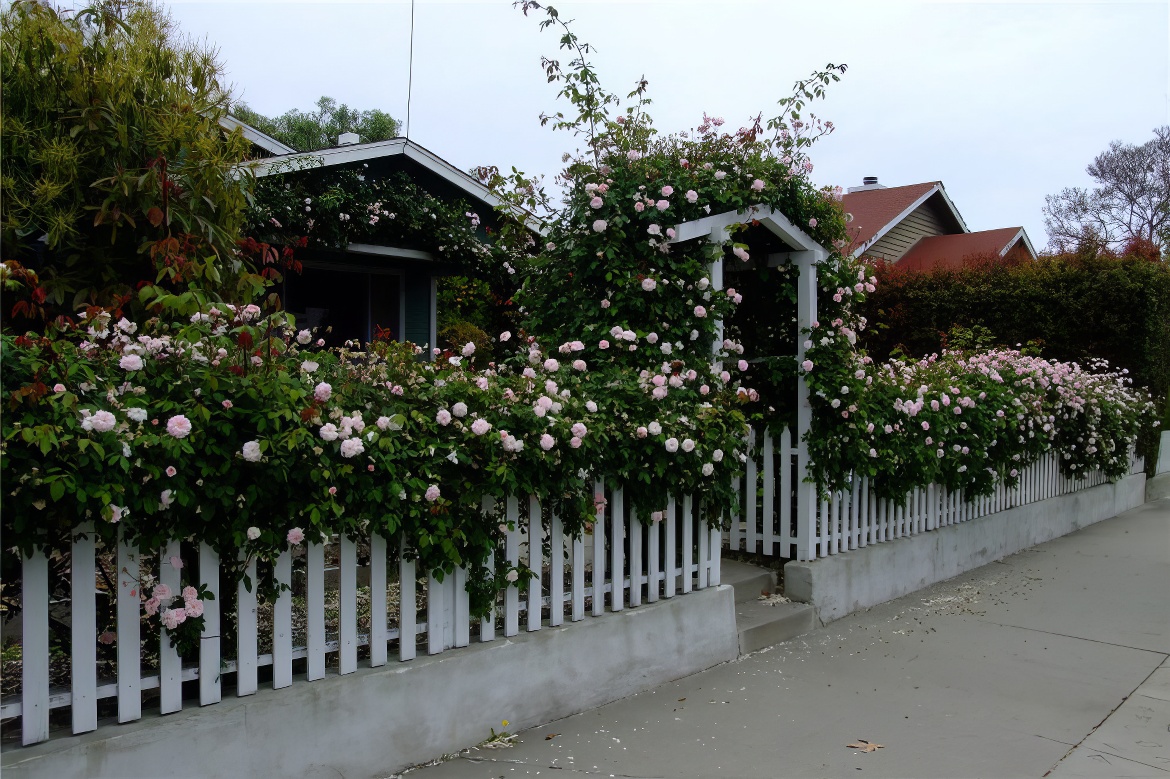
1004	102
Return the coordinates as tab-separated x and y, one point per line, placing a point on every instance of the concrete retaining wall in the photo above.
855	580
379	720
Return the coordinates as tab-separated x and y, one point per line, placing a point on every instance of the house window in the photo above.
353	303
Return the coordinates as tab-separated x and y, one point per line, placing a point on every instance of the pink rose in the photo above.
151	606
692	196
600	225
171	471
227	404
432	493
179	426
322	392
667	191
296	536
58	388
172	618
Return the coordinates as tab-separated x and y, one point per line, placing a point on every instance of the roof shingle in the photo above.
873	209
949	251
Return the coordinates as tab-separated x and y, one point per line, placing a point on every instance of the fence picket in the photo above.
512	555
461	608
713	573
824	529
35	648
769	509
578	564
377	600
617	513
704	551
282	669
83	669
556	571
735	530
750	497
598	580
786	536
129	633
535	562
671	552
487	625
688	546
209	646
407	605
170	665
653	569
347	607
635	531
437	608
315	607
855	513
834	523
246	682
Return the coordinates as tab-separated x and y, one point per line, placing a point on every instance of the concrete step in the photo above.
749	581
761	624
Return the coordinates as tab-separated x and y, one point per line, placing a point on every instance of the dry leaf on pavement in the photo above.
865	746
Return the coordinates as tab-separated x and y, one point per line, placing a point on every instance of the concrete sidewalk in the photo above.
1053	660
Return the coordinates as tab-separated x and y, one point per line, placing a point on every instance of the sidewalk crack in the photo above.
1079	638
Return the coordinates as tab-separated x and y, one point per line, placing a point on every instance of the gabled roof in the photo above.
257	138
360	152
403	147
877	211
949	251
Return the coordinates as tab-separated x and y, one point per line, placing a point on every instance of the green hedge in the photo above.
1074	307
1070	307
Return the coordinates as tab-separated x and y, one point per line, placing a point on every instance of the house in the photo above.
378	223
918	227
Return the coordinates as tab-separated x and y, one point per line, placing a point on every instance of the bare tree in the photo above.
1131	199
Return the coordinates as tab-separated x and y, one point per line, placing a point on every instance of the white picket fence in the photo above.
621	563
769	518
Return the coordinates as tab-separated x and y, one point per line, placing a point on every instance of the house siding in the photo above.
924	221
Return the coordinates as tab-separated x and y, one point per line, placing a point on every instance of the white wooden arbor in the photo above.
806	254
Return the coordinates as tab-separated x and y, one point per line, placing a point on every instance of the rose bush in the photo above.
236	430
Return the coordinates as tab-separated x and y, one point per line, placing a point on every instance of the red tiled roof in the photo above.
873	209
949	251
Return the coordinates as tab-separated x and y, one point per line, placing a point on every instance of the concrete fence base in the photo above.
855	580
380	720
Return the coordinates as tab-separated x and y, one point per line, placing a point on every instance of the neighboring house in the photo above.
918	227
365	289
